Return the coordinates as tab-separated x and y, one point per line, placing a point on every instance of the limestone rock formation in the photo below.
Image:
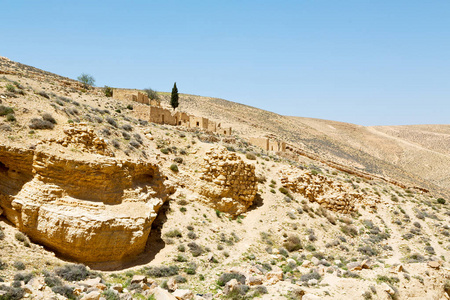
91	209
227	182
329	193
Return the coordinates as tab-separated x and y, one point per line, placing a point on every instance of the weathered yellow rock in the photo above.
98	209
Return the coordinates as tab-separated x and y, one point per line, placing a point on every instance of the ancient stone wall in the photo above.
329	193
227	182
159	115
130	95
261	142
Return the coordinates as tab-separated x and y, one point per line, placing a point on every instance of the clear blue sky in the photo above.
374	62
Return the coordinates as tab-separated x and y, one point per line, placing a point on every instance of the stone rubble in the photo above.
331	194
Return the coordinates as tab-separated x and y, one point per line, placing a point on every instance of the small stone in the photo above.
117	287
172	284
183	294
92	296
139	279
162	294
434	264
313	282
311	297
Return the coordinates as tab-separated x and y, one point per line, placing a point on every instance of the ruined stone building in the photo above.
153	112
268	144
133	95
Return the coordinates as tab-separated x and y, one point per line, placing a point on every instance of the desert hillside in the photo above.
416	155
97	202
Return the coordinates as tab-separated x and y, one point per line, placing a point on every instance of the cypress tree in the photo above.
174	97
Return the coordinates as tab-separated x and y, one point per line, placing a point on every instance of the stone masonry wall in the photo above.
329	193
227	182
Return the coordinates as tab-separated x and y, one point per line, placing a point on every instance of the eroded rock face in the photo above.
94	209
329	193
227	182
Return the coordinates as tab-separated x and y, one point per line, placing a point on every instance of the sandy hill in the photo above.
416	155
96	203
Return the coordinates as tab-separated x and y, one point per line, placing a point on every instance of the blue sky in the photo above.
364	62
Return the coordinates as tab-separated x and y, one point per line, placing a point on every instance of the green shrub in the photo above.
52	280
195	249
4	110
163	271
25	277
387	279
225	277
48	117
19	265
152	95
108	91
73	272
309	276
36	123
292	243
10	88
174	167
283	191
43	94
65	290
164	150
111	121
441	200
10	118
250	156
173	233
349	230
11	293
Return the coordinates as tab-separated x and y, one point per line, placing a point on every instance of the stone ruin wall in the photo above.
159	115
268	144
131	95
329	193
227	182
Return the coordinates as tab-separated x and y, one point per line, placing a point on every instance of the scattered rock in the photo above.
387	288
162	294
274	276
139	279
310	297
172	284
182	294
92	296
434	264
254	280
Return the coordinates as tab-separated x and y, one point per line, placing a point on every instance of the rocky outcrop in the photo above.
329	193
227	182
91	209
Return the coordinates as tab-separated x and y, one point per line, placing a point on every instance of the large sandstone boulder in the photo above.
227	183
91	208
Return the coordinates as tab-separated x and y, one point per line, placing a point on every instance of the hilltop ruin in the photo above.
152	111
